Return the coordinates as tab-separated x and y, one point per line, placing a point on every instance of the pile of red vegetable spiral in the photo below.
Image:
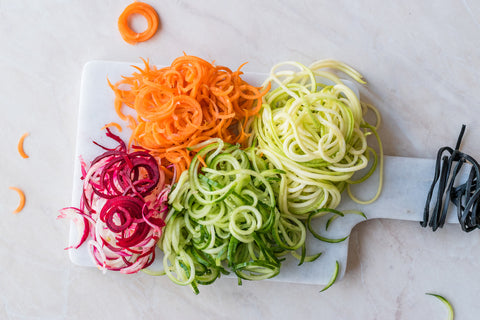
123	207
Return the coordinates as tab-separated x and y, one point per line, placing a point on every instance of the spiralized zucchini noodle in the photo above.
243	211
223	219
312	126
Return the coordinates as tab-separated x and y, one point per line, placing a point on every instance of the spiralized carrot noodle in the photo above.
21	204
113	124
146	11
185	104
20	146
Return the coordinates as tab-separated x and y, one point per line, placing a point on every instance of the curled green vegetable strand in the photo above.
446	303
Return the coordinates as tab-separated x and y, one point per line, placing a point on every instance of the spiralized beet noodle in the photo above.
122	208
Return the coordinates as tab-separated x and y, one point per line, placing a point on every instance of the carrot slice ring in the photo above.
20	146
145	10
22	199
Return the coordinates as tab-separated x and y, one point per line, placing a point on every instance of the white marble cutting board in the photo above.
406	180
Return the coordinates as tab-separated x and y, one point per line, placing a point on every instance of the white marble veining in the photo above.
421	61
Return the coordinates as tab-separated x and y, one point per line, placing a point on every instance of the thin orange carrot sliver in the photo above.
113	124
22	199
20	146
202	161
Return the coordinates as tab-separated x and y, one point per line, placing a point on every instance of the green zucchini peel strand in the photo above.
445	302
333	278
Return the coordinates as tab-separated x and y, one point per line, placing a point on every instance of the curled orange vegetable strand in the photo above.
113	124
146	11
22	199
20	146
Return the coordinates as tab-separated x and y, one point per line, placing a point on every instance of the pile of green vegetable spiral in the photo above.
243	211
312	127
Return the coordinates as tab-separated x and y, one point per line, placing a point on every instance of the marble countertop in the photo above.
421	61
